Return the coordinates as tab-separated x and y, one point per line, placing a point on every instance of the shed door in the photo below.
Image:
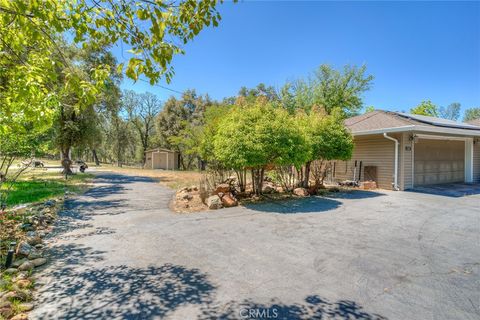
439	161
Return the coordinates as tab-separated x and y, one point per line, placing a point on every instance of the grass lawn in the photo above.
37	185
168	178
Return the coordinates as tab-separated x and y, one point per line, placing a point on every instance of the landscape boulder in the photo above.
28	265
24	249
39	262
214	202
268	188
223	188
301	192
228	200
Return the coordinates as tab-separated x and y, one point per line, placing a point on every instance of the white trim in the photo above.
395	176
443	130
384	130
437	137
469	161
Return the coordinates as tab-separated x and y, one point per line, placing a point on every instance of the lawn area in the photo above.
172	179
37	185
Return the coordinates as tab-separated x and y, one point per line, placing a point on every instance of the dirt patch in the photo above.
169	178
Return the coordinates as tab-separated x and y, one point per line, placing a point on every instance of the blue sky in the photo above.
415	50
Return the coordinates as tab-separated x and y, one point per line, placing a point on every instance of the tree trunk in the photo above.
253	181
95	157
66	162
306	178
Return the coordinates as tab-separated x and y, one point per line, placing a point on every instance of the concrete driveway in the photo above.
119	253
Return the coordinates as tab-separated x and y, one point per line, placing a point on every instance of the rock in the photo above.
193	188
229	201
11	295
34	255
49	203
39	262
31	234
6	312
20	209
301	192
19	262
221	194
187	197
33	241
39	246
10	271
28	265
279	189
21	275
24	249
24	283
214	202
223	187
27	227
20	316
268	188
26	306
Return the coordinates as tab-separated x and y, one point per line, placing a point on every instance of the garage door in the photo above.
439	161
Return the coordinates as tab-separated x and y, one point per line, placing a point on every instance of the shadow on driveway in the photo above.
155	292
455	190
314	204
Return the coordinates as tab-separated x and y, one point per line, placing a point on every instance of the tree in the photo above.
369	109
452	112
152	30
142	110
425	108
256	136
181	119
328	139
330	89
471	114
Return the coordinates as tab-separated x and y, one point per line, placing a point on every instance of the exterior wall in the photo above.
374	150
158	160
406	162
476	161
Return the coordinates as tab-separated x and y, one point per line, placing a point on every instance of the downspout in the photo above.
395	177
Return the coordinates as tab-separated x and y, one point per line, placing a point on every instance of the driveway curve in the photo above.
119	253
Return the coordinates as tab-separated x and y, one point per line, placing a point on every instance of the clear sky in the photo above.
415	50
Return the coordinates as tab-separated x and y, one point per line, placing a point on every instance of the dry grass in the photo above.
172	179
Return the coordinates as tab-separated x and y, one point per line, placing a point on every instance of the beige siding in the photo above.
374	150
406	162
476	161
158	160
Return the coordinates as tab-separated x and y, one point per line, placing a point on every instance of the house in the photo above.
162	159
400	151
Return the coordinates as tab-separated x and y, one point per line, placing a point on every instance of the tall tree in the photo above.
451	112
330	89
142	109
471	114
425	108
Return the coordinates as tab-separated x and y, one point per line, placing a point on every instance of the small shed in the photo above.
160	158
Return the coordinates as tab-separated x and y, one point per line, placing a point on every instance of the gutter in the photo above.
395	177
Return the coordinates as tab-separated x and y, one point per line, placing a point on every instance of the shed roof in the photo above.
379	121
159	149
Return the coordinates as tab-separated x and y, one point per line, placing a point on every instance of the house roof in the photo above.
380	121
475	122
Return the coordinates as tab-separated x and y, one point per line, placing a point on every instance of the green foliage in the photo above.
471	114
151	30
369	109
330	89
328	138
425	108
180	125
257	136
44	186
